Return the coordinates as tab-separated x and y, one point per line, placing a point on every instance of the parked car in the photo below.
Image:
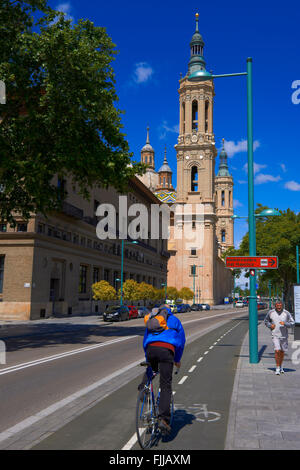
182	308
142	311
205	306
261	305
173	308
116	313
133	312
239	304
196	307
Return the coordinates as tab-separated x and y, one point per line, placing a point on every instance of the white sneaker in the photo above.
282	370
277	371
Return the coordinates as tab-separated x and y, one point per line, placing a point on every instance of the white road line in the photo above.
183	380
192	368
211	347
206	352
36	362
200	359
130	443
60	404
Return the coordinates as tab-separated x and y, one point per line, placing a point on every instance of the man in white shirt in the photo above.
279	320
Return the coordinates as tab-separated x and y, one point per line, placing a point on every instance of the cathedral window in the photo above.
183	117
195	115
206	115
164	181
146	159
223	198
194	179
230	199
223	236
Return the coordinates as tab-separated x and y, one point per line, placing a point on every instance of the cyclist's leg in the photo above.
151	357
166	369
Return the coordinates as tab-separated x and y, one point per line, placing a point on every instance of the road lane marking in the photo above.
183	380
192	368
200	359
206	352
211	347
61	403
36	362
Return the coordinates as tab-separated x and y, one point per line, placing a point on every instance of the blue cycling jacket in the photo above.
174	335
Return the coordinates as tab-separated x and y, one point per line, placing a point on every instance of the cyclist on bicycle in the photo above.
163	346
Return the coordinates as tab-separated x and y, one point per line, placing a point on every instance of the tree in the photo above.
277	236
186	293
131	290
146	291
172	293
103	291
60	116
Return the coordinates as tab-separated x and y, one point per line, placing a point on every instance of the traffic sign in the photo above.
252	262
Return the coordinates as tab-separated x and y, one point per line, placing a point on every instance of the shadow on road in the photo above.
180	420
39	336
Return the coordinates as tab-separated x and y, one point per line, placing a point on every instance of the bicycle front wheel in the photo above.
146	421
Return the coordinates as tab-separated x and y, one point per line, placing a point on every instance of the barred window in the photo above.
1	272
82	279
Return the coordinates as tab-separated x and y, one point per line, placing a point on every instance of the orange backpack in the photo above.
156	321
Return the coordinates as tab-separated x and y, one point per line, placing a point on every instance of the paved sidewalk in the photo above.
265	408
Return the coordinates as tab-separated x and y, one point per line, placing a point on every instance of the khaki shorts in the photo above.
280	344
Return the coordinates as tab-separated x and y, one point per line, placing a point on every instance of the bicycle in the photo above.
147	429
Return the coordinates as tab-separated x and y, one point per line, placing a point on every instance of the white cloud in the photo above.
242	182
66	9
165	128
283	167
142	73
261	178
237	203
256	167
232	148
292	186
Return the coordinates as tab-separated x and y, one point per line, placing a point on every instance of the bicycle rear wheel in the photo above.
146	421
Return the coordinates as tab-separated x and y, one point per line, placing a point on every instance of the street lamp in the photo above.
164	284
127	242
202	75
194	274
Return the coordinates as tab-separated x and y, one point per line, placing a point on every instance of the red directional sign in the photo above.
252	262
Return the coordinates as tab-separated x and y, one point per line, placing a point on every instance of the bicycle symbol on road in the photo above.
201	413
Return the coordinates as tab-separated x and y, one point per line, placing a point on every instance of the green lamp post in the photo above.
122	263
164	284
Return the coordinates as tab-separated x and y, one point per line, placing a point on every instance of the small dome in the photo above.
165	166
147	147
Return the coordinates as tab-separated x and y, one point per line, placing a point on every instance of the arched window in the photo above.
223	198
230	199
206	115
223	236
194	179
195	115
164	181
146	159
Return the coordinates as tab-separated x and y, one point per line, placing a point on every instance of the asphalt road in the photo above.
202	398
42	366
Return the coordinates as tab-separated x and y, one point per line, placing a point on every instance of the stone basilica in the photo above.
201	267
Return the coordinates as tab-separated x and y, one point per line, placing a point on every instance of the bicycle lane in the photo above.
110	424
203	393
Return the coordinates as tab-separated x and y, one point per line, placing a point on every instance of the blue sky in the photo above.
153	43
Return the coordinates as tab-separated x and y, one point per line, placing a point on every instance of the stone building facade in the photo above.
199	267
49	264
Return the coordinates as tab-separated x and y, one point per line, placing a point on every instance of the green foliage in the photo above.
276	236
103	291
60	117
186	293
131	290
172	293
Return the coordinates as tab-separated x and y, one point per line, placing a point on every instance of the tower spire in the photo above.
147	140
223	166
196	62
